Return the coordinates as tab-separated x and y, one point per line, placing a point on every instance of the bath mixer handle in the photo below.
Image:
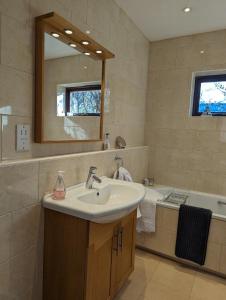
221	202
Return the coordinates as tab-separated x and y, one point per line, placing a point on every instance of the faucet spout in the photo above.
92	177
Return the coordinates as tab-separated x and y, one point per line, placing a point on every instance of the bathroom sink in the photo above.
108	201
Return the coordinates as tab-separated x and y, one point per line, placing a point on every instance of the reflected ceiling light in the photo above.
54	34
68	31
88	31
87	53
85	67
99	51
85	42
72	45
187	10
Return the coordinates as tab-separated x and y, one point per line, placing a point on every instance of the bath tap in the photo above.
221	202
92	177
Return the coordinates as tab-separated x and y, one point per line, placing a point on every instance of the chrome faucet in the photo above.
92	177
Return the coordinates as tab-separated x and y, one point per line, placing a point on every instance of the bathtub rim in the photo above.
176	207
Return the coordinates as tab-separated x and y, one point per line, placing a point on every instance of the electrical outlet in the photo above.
23	137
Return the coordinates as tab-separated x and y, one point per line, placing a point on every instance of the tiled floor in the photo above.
157	278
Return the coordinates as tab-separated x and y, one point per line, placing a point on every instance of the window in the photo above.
83	100
210	95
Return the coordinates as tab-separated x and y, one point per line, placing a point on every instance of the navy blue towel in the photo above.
192	233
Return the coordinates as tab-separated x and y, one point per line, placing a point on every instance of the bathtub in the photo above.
163	241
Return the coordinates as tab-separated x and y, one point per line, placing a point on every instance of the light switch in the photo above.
23	142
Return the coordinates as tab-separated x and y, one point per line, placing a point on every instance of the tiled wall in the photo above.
188	152
126	74
22	186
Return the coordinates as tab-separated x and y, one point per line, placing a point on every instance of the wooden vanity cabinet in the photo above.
85	260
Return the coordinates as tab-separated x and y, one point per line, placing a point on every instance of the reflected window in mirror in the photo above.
79	100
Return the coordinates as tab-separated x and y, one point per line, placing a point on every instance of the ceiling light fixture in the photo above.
202	51
88	31
99	51
85	42
72	45
68	31
54	34
187	10
87	53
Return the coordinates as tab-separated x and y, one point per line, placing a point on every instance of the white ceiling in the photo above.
162	19
54	48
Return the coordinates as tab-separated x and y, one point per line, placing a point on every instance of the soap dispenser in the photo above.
107	141
59	191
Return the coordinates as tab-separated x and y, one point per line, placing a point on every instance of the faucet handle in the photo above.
93	170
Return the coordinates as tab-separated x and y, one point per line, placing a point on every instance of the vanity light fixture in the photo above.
187	10
68	31
87	53
85	42
99	51
72	45
54	34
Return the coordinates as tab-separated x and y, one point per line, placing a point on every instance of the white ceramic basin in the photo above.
109	201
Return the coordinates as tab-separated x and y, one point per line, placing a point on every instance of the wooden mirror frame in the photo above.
50	23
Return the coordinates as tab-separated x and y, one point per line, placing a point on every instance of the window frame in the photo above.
197	88
68	91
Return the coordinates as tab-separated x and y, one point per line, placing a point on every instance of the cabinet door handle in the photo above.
121	238
116	240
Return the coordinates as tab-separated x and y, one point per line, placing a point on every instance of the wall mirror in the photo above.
70	83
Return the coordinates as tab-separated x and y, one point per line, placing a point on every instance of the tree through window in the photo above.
210	95
83	100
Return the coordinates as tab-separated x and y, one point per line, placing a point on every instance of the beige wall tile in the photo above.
16	44
5	229
5	280
16	92
26	225
222	264
22	269
18	10
213	256
19	186
188	151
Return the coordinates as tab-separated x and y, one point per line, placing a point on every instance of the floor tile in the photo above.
175	276
157	278
208	287
158	291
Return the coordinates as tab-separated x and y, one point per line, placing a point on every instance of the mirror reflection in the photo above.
72	93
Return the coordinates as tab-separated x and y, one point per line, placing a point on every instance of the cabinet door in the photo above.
99	261
123	252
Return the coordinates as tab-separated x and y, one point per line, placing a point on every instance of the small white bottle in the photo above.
107	141
59	190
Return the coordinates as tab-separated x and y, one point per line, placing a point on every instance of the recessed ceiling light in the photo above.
187	9
88	31
54	34
72	45
99	51
202	51
68	31
85	42
87	53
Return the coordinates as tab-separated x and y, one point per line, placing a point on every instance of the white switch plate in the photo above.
23	133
